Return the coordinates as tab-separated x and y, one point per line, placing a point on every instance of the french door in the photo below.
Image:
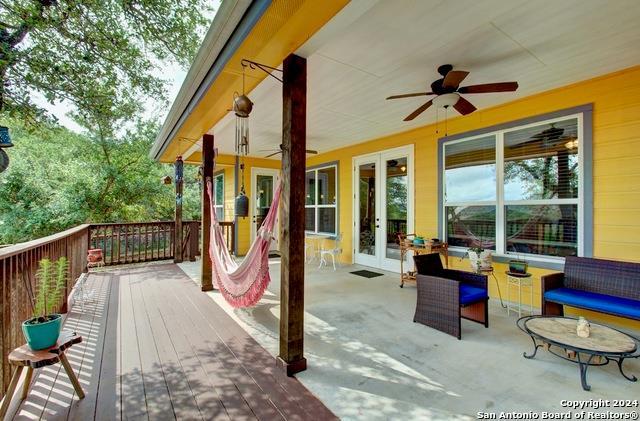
263	184
383	206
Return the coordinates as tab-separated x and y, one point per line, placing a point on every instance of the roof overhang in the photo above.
265	31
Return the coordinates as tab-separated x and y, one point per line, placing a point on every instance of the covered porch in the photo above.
156	347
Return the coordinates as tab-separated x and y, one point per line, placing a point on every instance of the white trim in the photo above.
500	203
379	259
255	171
317	206
215	194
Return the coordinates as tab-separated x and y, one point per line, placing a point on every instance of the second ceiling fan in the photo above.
448	90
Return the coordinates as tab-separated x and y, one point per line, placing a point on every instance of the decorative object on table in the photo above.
24	357
558	335
407	245
583	328
95	258
606	286
417	240
518	266
242	201
42	330
446	296
479	257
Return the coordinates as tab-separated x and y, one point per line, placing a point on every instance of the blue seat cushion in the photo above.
593	301
470	294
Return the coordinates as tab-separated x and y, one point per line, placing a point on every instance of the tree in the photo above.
99	55
58	179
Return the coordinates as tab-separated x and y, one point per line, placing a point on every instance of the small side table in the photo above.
24	356
519	280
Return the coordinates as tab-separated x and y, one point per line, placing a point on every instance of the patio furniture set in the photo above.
446	296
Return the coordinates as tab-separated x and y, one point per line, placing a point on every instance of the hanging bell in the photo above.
242	204
242	106
5	139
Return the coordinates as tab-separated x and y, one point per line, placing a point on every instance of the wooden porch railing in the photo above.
18	266
149	241
120	244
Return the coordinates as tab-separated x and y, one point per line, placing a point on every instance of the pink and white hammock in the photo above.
242	285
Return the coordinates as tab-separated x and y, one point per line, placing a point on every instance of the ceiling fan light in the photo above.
446	100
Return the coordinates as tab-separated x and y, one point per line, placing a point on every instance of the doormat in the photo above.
366	273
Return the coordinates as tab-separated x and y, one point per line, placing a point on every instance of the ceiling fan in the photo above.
448	90
278	151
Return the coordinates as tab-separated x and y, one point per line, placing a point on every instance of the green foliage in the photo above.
58	179
99	56
51	279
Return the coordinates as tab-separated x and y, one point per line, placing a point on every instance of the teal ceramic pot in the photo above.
418	241
42	335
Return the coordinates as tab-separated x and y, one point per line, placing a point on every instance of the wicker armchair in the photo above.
445	296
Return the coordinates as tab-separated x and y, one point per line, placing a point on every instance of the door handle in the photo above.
377	226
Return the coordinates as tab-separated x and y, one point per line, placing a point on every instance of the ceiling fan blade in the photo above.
489	87
453	79
312	152
419	110
273	154
464	107
410	95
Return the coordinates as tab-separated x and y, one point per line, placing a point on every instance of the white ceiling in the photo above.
376	48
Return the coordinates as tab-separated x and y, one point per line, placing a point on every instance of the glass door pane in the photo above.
264	197
367	208
396	205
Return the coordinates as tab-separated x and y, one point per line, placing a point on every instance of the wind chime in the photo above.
242	107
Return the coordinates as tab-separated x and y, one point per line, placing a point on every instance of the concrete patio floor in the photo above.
368	360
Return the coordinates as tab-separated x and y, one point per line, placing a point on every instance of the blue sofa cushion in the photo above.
593	301
470	294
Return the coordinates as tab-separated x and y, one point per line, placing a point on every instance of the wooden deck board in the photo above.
156	347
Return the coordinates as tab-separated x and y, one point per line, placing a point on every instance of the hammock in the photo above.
242	285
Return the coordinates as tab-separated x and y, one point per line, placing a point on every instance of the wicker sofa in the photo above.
446	296
605	286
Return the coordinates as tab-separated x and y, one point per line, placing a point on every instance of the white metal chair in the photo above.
79	290
334	251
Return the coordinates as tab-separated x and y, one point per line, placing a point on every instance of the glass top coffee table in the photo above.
558	335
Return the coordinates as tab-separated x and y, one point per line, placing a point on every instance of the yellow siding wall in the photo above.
616	172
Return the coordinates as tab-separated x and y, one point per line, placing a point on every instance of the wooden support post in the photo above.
294	115
177	243
208	155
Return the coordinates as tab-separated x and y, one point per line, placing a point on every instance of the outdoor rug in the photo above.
366	273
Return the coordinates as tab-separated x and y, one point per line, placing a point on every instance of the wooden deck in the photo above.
155	347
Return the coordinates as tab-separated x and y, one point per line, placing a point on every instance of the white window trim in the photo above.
217	206
316	206
500	203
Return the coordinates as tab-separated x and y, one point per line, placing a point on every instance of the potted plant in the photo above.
479	257
43	329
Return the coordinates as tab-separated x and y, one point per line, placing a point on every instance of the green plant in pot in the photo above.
43	329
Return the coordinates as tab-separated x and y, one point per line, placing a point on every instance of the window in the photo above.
321	205
517	190
218	194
